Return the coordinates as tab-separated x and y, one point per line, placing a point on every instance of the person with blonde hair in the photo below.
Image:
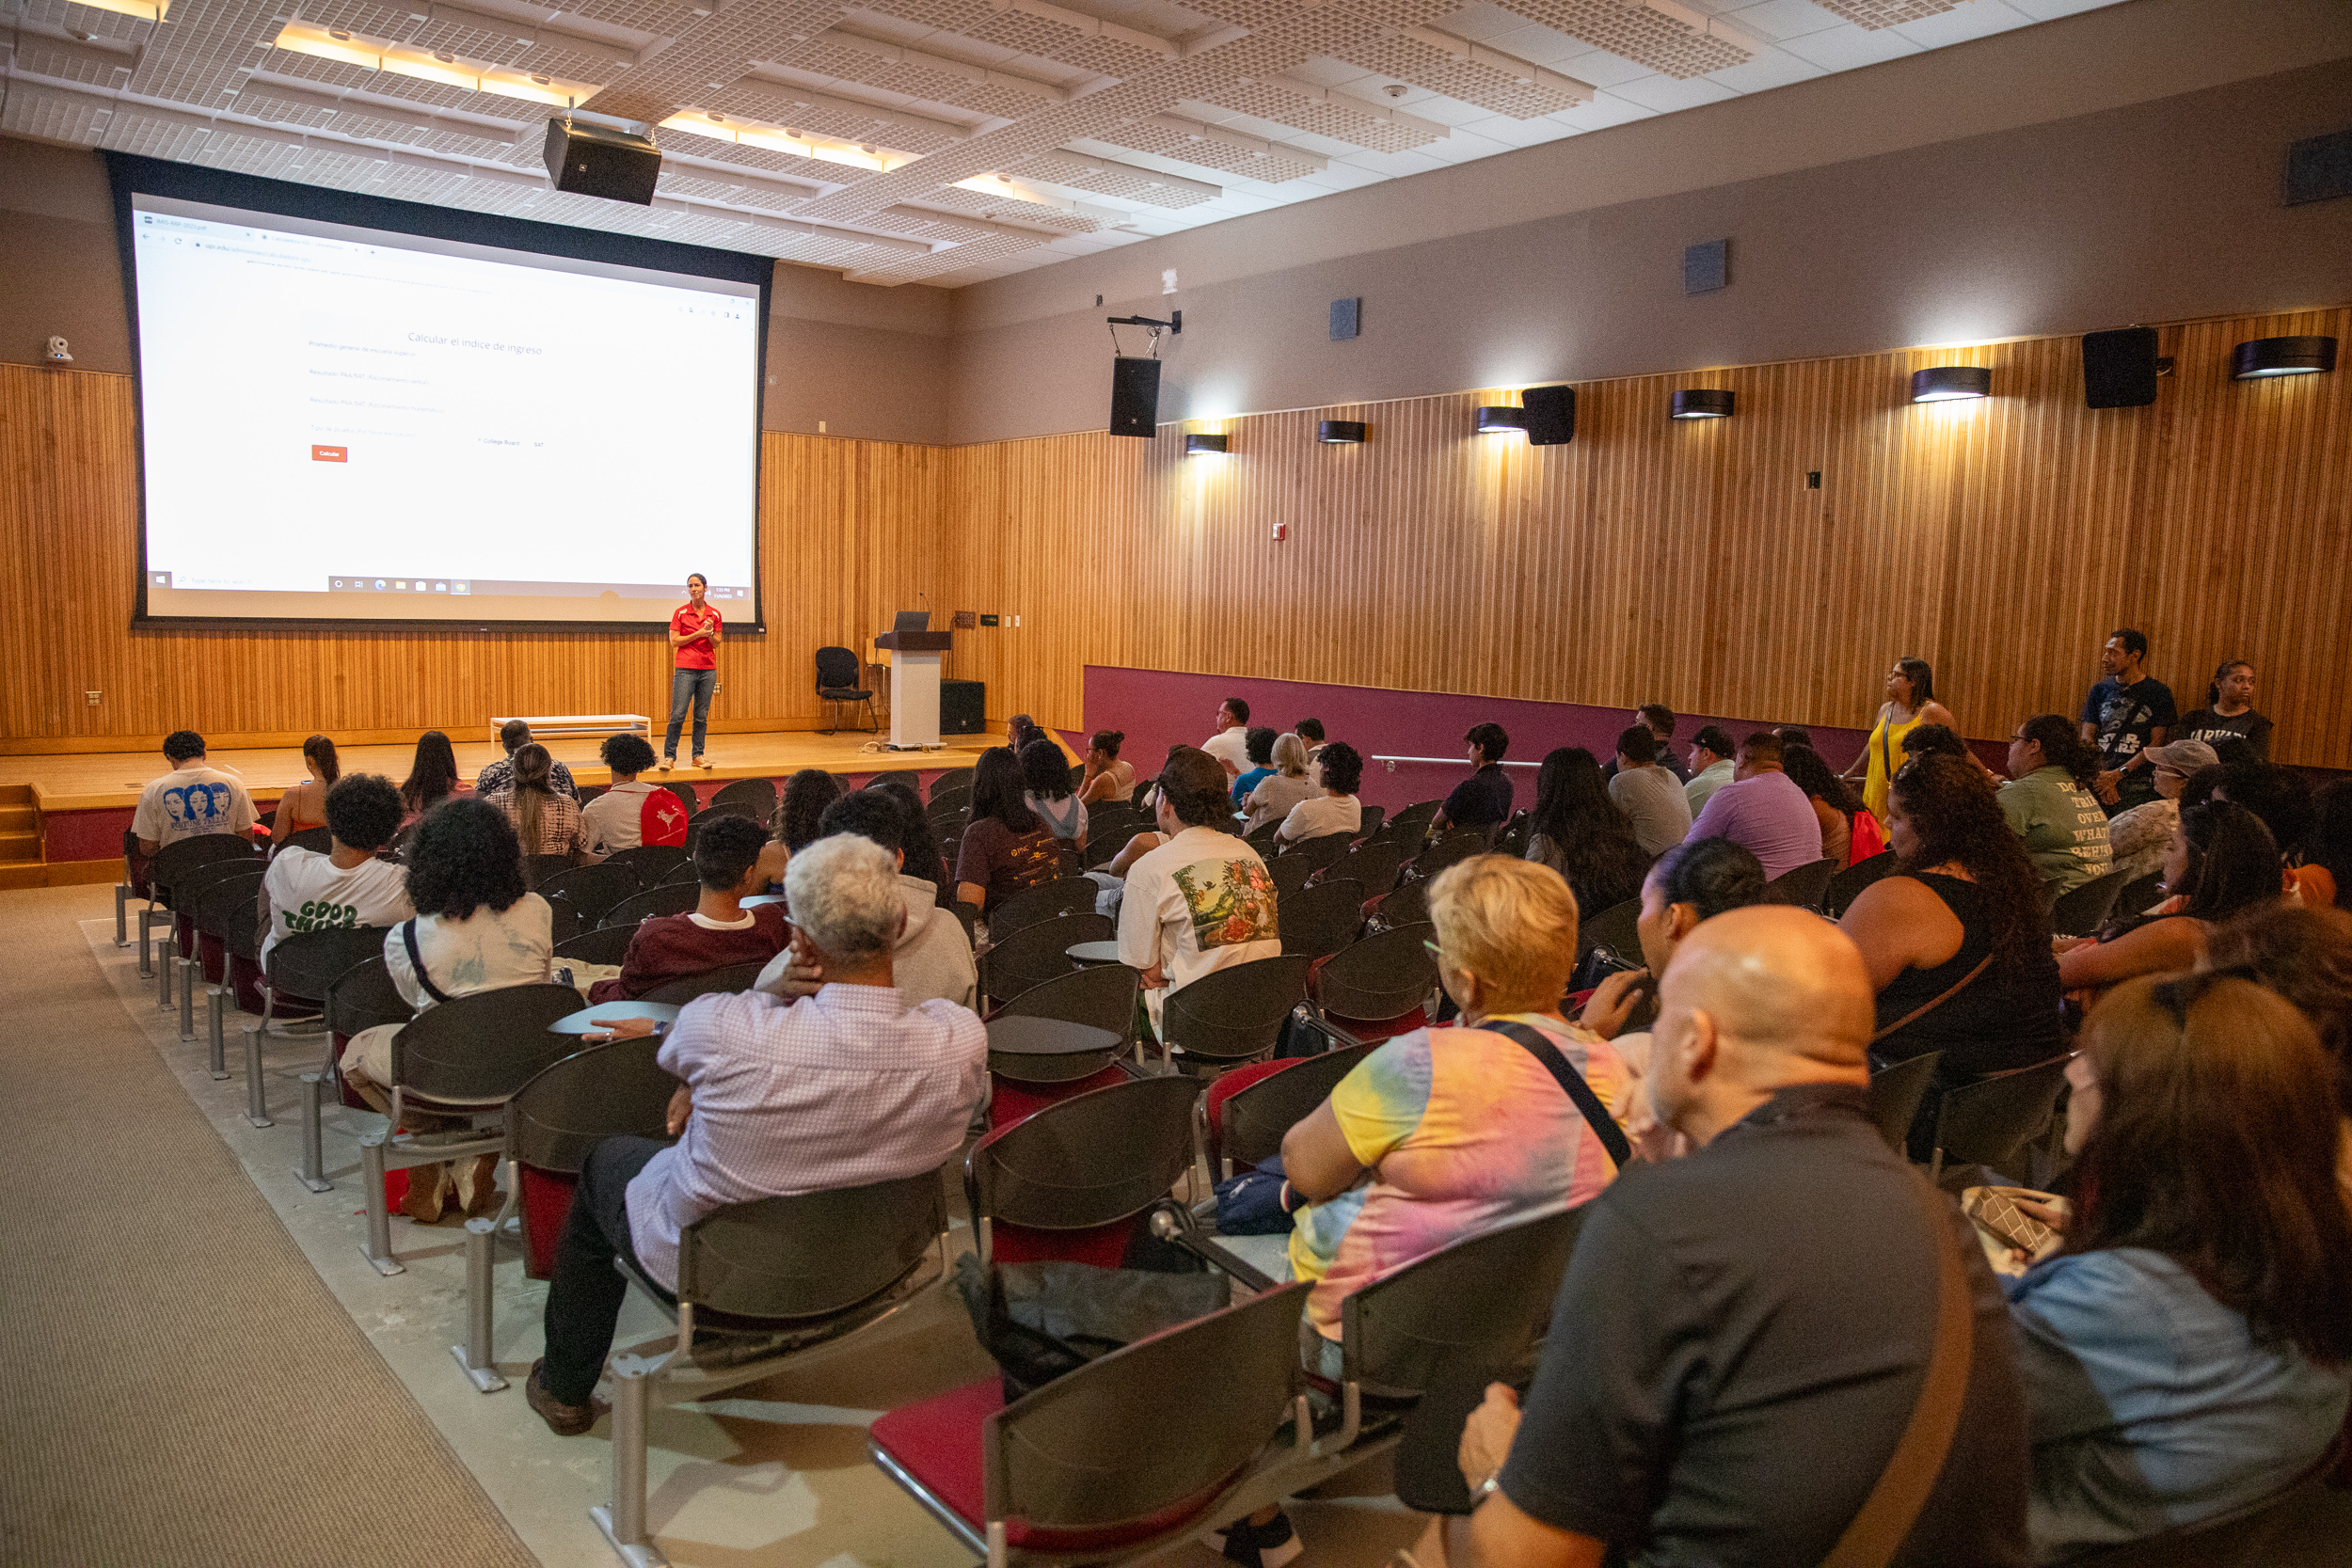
1271	799
1443	1132
2186	1347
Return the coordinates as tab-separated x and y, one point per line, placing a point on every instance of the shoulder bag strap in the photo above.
416	961
1878	1531
1597	1116
1932	1003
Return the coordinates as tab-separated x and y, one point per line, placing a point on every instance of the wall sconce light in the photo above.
2268	356
1498	420
1341	433
1700	403
1215	446
1944	382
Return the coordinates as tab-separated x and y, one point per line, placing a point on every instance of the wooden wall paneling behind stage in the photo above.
1648	560
1689	562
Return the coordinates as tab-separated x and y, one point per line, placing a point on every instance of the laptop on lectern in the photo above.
914	620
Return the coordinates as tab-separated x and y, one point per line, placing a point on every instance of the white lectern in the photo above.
914	687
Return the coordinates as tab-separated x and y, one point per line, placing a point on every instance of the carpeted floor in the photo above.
180	1387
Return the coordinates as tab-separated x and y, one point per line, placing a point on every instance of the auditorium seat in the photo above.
1245	1113
1320	920
1037	952
1376	990
837	672
1045	901
1071	1473
1230	1016
726	979
1079	1180
552	1121
670	898
1102	995
300	973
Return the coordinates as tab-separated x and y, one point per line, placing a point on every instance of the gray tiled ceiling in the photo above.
1084	123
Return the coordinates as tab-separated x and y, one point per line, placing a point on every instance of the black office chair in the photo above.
838	675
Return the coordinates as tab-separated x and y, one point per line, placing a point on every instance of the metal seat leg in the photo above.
216	1003
166	949
256	1095
123	909
474	1355
379	1242
311	1173
624	1523
191	976
147	917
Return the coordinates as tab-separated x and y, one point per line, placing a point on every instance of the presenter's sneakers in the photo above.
668	763
702	762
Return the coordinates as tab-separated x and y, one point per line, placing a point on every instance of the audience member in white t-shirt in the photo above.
346	888
615	821
476	930
1310	732
193	799
1230	745
1203	901
1336	810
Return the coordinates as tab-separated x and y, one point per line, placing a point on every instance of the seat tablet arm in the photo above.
1173	1223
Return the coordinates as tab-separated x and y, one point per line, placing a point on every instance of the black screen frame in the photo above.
131	174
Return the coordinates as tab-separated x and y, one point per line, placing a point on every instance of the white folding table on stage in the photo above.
915	657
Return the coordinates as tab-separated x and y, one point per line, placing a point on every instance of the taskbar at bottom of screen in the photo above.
464	587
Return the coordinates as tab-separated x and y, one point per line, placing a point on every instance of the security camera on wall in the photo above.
58	354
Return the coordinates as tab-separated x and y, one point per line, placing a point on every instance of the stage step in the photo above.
20	827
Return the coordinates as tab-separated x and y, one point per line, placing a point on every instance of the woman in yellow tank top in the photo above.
1910	703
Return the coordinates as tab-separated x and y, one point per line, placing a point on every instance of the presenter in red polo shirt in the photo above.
694	632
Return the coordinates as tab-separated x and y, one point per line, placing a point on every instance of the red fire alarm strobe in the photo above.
1281	531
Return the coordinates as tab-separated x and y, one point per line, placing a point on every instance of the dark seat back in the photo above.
837	669
1454	848
1260	837
306	965
1231	1015
174	862
710	982
1037	953
1617	928
1102	995
2083	911
606	944
670	898
1382	976
1511	839
1320	920
1374	865
363	997
1369	824
219	901
1990	1121
1407	906
2140	895
1091	1160
1804	886
1046	901
316	839
1289	874
756	795
782	1260
1895	1096
1847	886
1148	1433
1480	1305
478	1050
651	863
951	780
591	891
573	1103
1255	1120
540	869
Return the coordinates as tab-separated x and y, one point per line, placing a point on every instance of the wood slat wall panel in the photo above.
1646	561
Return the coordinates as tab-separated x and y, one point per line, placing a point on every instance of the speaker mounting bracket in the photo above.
1174	324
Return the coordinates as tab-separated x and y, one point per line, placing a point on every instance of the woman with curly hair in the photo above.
477	929
1955	940
802	807
1578	830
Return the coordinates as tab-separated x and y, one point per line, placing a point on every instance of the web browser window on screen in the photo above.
349	423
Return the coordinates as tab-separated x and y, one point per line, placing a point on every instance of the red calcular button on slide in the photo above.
329	455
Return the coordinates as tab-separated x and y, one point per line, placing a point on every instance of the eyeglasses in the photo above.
1435	951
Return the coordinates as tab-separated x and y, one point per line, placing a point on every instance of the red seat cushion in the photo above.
938	1443
213	956
1103	1246
1374	1029
244	978
1010	1099
546	1203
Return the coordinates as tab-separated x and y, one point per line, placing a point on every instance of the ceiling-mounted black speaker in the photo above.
1551	414
1135	396
588	159
2120	367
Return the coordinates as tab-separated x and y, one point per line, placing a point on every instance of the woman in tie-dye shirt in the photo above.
1443	1132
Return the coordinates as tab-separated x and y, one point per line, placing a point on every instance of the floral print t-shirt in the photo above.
1201	902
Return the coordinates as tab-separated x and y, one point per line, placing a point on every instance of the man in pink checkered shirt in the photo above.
841	1089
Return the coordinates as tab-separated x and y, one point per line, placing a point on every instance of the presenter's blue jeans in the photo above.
685	685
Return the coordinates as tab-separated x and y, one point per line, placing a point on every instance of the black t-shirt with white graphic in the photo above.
2126	716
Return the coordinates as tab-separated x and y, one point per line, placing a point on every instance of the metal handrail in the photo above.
1456	762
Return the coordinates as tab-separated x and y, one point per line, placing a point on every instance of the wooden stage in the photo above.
80	802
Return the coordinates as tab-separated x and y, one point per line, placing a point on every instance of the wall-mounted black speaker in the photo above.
1551	414
963	707
588	159
1135	396
2120	367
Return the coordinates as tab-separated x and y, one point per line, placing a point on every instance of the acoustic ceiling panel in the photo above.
1463	78
1325	114
834	57
1186	147
825	115
1874	14
1125	181
1011	208
716	50
1646	35
1047	38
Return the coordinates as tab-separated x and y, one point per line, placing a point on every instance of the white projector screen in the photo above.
342	423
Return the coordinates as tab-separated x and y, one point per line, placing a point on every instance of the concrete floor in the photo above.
775	1474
